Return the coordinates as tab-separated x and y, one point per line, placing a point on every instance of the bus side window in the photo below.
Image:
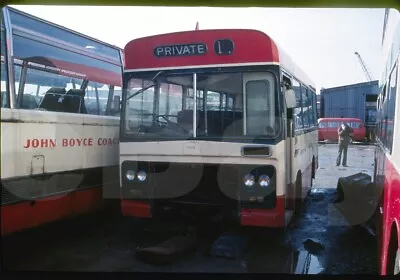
116	102
304	102
4	72
308	105
213	101
297	112
91	99
384	115
37	82
314	110
381	114
230	103
389	111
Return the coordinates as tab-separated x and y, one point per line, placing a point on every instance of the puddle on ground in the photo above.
307	264
315	266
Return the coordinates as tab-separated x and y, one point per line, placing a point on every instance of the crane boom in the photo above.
366	72
385	18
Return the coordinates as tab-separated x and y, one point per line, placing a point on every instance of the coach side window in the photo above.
297	112
32	83
4	72
314	108
213	101
115	102
91	99
382	114
390	113
307	108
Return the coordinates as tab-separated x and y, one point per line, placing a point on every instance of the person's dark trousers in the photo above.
342	149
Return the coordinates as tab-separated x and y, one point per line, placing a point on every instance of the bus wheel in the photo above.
396	269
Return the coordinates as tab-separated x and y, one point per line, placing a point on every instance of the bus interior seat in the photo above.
185	119
77	94
57	90
51	100
219	123
233	123
29	102
186	116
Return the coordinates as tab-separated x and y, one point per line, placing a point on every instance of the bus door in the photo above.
289	160
290	143
259	116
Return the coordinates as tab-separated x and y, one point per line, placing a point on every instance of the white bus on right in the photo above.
387	154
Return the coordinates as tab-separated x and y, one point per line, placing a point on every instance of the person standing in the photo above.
344	137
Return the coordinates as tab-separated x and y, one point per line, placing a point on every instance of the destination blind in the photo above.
181	50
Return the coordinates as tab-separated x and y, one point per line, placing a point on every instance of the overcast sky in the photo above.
321	41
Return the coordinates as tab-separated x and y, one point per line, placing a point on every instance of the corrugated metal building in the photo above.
351	101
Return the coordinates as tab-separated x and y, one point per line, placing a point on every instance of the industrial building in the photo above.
351	101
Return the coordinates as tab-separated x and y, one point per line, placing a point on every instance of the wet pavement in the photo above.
105	241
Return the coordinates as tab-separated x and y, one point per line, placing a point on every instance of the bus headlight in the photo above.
264	181
248	180
141	175
130	175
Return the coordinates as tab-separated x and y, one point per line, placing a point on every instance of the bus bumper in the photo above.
133	208
247	216
264	217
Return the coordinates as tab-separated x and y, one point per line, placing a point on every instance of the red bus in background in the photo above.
327	128
387	153
216	123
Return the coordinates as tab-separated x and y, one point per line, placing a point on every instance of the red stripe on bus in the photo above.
391	211
21	216
135	209
92	73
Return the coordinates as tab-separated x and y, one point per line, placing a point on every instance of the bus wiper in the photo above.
145	88
140	91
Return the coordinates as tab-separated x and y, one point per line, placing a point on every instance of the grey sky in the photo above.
321	41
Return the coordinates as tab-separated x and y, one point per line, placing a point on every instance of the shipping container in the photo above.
351	101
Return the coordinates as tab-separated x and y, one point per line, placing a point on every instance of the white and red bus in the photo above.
244	146
387	154
60	94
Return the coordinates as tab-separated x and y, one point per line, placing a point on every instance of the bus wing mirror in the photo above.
290	98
